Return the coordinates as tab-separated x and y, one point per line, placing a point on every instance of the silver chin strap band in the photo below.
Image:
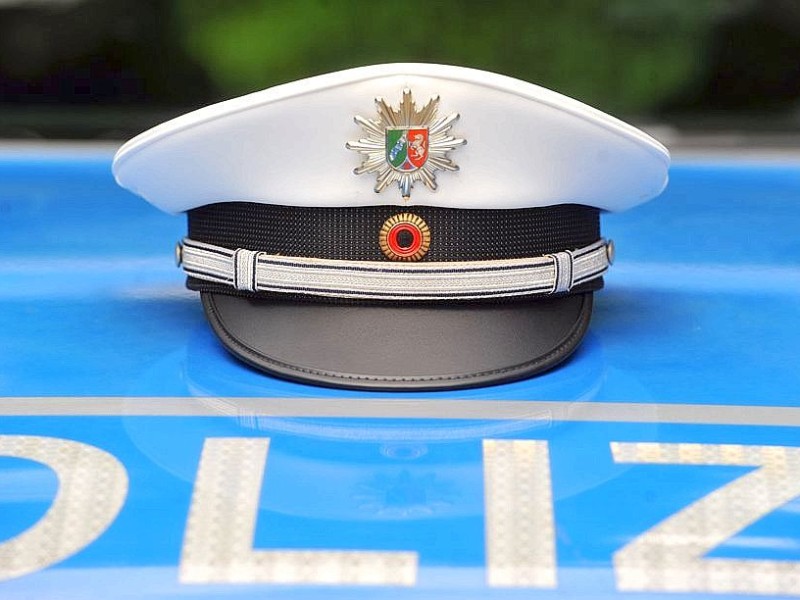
251	271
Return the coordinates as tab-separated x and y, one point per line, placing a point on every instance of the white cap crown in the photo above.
526	147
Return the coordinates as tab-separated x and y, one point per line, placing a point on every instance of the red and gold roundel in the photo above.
405	237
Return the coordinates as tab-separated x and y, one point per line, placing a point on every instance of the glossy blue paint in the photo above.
702	307
327	492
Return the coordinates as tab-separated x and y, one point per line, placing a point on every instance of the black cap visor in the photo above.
412	347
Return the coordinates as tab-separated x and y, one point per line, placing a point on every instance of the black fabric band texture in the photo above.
351	233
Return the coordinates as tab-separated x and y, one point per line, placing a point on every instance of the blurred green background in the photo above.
110	68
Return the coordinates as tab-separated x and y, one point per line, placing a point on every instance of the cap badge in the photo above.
406	145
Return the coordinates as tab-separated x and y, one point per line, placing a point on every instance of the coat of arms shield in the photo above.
406	148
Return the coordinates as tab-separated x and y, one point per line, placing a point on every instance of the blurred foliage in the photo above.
624	56
106	68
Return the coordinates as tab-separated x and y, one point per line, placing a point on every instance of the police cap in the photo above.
401	226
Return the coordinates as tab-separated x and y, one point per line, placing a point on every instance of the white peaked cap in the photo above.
527	147
341	232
